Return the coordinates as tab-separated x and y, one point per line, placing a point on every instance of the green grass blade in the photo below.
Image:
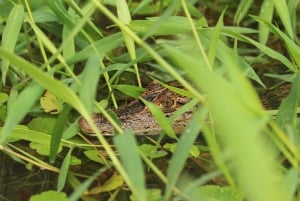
161	118
84	186
57	132
56	87
149	50
129	90
250	157
69	48
51	47
266	50
141	5
214	40
63	173
284	14
266	12
20	108
24	155
181	152
242	10
291	182
58	8
63	92
67	95
22	132
287	114
83	12
293	48
293	6
102	46
125	18
221	47
163	17
10	34
194	10
168	27
196	36
77	32
89	80
123	11
127	148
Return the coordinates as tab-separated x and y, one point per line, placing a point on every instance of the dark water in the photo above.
18	183
19	180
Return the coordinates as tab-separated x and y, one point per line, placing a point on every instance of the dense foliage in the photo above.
61	60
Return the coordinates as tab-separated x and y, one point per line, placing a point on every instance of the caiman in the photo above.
138	118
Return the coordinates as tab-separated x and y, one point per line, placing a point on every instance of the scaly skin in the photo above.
137	117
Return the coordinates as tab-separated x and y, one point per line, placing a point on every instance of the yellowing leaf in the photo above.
50	103
114	182
94	156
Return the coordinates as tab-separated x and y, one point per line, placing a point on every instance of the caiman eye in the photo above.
168	103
